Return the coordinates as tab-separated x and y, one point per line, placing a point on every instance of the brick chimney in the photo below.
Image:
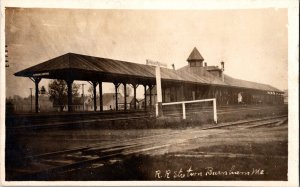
223	69
222	65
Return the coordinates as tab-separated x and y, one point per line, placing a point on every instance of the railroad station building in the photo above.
196	80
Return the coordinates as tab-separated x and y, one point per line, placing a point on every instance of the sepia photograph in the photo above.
146	94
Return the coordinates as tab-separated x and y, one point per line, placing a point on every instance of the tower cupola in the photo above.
195	59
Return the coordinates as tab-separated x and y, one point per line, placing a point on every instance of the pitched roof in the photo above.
89	68
83	67
89	63
212	68
203	74
199	74
248	84
195	55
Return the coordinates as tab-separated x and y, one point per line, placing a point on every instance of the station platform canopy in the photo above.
88	68
72	66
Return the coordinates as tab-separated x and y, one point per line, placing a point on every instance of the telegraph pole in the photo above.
82	86
30	99
6	57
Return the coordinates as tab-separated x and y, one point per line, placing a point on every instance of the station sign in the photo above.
41	74
155	63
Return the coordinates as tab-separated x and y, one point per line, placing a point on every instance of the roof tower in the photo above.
195	59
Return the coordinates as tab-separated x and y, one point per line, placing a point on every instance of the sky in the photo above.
253	43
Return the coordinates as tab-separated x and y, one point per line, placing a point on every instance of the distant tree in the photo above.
43	90
17	98
129	90
91	91
9	106
58	91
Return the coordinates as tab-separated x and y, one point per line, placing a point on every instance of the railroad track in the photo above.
223	110
39	166
58	121
33	118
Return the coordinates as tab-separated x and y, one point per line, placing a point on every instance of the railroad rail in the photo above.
223	110
55	122
82	157
65	120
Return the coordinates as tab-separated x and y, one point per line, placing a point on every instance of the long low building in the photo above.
191	82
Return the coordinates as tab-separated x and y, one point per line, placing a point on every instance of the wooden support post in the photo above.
30	99
183	111
215	110
116	96
94	83
150	96
145	90
70	84
36	82
163	94
100	96
116	93
134	94
125	96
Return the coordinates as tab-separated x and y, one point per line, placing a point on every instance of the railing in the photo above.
194	101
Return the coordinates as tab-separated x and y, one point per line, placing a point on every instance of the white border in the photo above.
293	79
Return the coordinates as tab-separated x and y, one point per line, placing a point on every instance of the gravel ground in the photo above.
252	154
256	154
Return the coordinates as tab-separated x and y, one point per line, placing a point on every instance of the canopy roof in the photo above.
248	84
229	81
88	68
